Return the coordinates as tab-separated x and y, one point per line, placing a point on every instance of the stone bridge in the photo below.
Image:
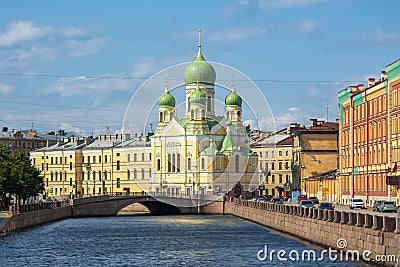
161	205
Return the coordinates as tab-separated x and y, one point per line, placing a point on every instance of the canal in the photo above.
152	241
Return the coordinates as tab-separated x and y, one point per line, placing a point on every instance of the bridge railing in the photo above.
15	209
373	221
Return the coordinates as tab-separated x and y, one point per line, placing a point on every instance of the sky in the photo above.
75	65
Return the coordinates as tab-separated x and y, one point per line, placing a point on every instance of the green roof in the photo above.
197	97
166	100
227	144
199	71
233	99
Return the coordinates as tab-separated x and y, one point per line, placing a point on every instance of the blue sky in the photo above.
300	53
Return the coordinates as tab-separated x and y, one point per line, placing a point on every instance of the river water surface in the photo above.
151	241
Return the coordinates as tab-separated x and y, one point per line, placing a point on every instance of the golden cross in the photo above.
166	82
199	32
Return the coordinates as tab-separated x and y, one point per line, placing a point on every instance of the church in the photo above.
202	152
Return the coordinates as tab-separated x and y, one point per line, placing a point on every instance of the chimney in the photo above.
371	82
360	87
337	121
383	75
313	122
5	129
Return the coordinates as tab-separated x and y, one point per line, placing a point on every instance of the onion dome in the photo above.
166	100
233	99
198	97
199	70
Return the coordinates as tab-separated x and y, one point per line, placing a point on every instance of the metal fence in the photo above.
15	209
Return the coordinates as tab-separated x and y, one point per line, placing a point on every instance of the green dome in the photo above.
166	100
199	71
233	99
197	97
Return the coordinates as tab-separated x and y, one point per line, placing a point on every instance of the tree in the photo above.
18	176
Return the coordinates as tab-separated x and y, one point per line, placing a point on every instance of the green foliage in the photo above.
17	175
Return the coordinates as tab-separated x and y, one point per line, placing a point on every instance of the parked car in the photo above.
302	197
314	200
326	206
377	203
260	199
268	197
387	206
306	204
277	200
356	203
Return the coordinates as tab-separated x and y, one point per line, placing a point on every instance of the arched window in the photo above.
173	163
237	163
134	174
142	174
161	116
158	164
189	164
203	165
149	173
169	162
238	115
128	174
178	162
209	103
192	114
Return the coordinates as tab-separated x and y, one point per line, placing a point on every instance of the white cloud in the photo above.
80	48
236	34
5	88
386	37
293	109
22	31
69	128
275	4
307	26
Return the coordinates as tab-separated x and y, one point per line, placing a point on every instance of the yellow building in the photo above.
275	155
61	166
315	152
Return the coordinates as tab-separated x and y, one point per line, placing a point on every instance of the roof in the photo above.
270	140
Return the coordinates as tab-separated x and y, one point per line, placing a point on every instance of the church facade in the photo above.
201	151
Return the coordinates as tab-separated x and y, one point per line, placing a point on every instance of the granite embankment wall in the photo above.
376	233
28	219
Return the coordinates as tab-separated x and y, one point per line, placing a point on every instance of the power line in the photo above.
156	78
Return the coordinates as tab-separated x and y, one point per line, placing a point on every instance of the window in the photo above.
94	159
118	154
273	153
105	158
149	173
261	165
142	174
99	158
237	163
134	174
189	164
203	164
173	162
286	165
70	181
128	174
280	153
134	157
260	154
57	160
287	153
149	156
273	178
51	160
178	162
158	164
209	103
280	178
129	158
70	166
272	165
142	156
280	165
83	176
118	182
105	175
88	159
47	166
88	175
266	154
169	163
42	166
94	176
99	175
118	165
